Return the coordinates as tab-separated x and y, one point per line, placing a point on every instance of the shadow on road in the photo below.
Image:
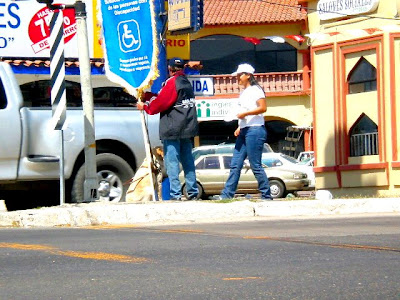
20	199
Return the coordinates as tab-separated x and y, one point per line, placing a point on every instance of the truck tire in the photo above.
112	173
277	188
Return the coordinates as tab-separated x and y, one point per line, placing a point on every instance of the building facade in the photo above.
355	53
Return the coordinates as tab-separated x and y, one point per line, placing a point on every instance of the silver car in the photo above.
212	172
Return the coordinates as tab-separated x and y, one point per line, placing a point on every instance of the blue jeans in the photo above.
175	152
249	144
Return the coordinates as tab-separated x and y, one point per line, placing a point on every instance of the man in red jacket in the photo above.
178	125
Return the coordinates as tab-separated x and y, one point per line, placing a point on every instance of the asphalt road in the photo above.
325	258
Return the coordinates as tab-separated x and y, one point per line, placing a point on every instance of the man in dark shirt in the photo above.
178	125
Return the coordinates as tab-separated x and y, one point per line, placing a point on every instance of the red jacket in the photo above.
177	108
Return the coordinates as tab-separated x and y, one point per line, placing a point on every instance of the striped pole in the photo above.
57	70
58	97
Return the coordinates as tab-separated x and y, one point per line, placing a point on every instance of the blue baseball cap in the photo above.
176	62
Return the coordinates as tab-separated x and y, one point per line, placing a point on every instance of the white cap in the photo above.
244	68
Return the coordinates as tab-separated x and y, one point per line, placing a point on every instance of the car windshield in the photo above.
306	162
289	158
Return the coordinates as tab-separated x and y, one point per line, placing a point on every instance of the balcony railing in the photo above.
282	82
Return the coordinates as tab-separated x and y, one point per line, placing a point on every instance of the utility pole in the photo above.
91	182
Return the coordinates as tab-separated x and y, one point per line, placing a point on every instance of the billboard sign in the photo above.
25	29
215	109
332	9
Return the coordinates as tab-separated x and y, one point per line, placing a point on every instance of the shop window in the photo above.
364	137
221	54
362	78
3	97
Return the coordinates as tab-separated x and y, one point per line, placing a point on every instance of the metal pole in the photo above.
148	154
62	177
91	182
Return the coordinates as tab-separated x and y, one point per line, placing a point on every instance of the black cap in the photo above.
176	62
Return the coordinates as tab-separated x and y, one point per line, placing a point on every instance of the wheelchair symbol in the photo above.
129	36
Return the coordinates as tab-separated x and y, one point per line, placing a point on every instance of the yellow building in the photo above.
260	33
355	53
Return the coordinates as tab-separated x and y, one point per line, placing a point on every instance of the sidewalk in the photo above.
105	213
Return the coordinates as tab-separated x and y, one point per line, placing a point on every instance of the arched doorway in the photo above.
277	132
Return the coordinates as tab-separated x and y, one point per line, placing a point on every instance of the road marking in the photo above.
278	239
140	227
348	246
240	278
101	227
181	231
77	254
104	256
27	247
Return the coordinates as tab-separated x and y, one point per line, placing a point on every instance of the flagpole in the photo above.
149	156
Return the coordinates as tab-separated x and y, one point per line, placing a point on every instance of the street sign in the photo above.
202	86
130	42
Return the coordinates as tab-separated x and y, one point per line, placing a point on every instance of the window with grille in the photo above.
364	137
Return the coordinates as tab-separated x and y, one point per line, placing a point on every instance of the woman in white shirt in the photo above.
251	134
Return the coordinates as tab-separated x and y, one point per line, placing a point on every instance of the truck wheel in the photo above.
277	188
112	173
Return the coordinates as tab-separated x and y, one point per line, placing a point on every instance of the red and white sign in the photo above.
39	28
25	29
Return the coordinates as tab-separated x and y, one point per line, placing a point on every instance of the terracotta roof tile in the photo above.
235	12
99	63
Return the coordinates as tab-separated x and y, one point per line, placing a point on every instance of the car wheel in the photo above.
199	196
112	173
277	188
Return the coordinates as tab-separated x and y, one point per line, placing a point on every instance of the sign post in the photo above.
58	98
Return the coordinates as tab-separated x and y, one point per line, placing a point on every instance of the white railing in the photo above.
271	83
364	144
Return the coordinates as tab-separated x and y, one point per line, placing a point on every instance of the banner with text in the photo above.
130	42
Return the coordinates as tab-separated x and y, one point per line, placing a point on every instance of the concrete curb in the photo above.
76	215
327	207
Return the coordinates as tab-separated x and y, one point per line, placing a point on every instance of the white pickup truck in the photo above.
30	148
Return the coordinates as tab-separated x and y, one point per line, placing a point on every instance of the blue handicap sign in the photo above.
129	36
130	42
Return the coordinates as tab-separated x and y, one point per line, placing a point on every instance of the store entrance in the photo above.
277	132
